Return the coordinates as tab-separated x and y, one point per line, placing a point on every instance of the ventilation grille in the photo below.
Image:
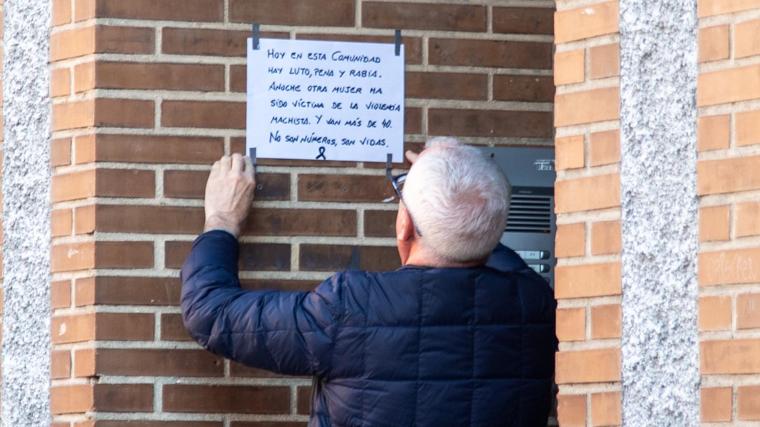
530	214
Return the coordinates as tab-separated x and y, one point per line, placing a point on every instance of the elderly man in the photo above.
445	340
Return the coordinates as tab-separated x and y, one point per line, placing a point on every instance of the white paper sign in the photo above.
321	100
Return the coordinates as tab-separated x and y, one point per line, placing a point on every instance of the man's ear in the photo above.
404	225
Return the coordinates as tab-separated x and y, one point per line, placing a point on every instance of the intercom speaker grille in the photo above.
530	214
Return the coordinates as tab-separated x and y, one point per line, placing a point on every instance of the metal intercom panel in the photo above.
531	223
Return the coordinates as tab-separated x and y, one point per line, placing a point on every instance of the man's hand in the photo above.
412	156
229	194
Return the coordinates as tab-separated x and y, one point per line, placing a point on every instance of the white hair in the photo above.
458	199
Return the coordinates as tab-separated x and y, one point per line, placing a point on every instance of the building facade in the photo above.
113	112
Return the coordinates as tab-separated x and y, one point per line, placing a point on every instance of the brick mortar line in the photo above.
587	260
73	347
157	335
300	275
573	130
307	240
749	242
159	252
489	20
69	276
216	133
731	153
197	416
197	203
588	172
734	300
74	381
594	344
588	302
729	198
294	30
731	41
158	108
729	289
490	88
734	423
178	59
149	59
200	380
228	78
732	107
159	40
159	183
158	96
360	223
136	345
173	167
317	276
227	369
587	326
729	18
741	334
732	129
241	417
157	310
604	83
358	6
293	185
599	215
73	310
589	388
538	4
424	52
158	397
729	380
228	145
294	400
728	64
607	83
73	238
588	43
575	4
505	141
588	167
157	167
310	276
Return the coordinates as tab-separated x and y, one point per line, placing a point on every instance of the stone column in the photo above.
26	215
660	352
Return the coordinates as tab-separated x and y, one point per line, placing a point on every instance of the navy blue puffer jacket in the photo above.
413	347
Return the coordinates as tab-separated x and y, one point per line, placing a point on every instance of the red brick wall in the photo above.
588	281
148	93
729	186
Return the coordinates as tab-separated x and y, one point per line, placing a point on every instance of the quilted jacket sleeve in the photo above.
283	332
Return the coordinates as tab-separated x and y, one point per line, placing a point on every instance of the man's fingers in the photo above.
237	163
225	163
411	156
248	167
